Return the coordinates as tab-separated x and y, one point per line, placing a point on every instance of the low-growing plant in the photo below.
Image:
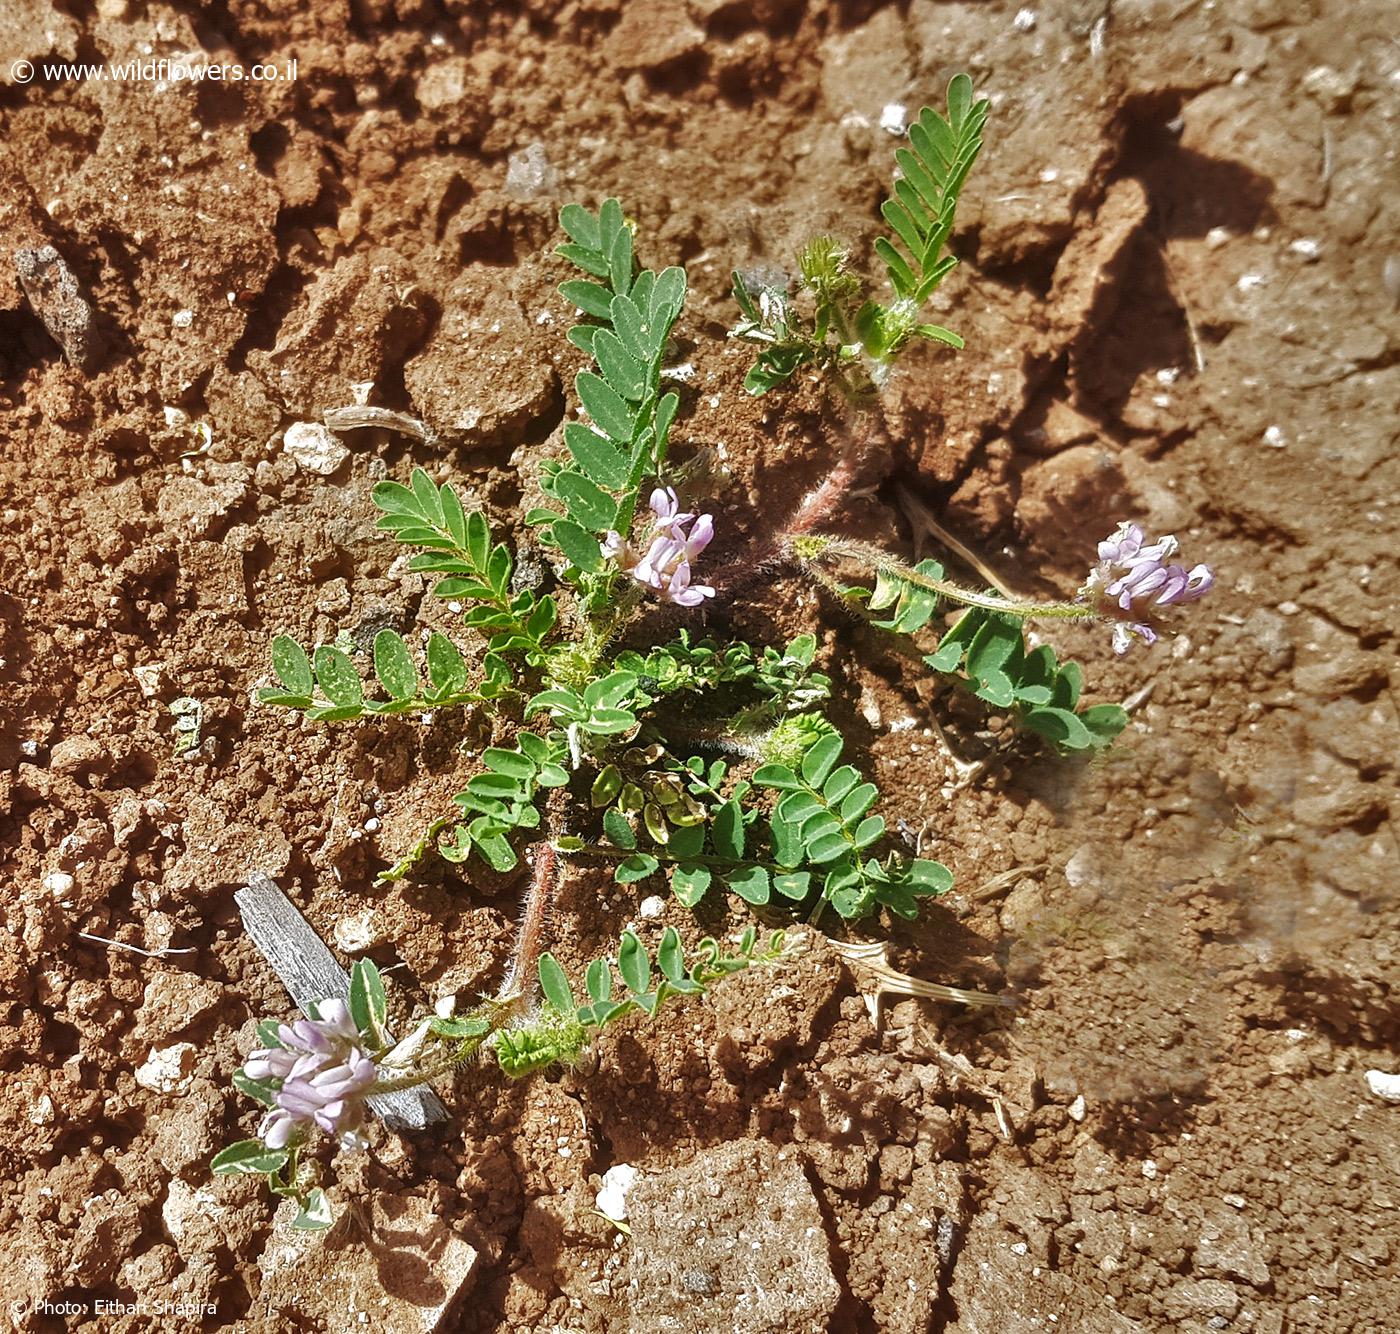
598	753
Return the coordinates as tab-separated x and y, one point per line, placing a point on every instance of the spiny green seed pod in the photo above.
545	1038
791	739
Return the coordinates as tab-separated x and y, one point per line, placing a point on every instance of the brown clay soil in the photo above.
1179	291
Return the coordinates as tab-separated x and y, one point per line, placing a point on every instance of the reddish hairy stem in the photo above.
817	507
520	979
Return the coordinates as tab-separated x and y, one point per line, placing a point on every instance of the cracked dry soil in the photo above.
1179	291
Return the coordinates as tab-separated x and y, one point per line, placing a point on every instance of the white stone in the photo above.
1076	1109
892	118
168	1069
530	174
1024	20
612	1199
314	448
150	677
184	1204
182	319
59	883
357	932
652	906
1383	1085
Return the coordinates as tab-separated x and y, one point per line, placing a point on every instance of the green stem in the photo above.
427	1073
877	561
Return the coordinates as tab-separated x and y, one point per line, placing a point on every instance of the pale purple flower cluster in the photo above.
666	565
324	1073
1132	572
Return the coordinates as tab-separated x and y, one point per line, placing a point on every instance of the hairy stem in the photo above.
519	986
876	561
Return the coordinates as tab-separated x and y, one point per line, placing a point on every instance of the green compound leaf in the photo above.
338	679
368	1005
249	1157
636	868
620	833
819	761
578	545
727	831
316	1214
555	984
292	666
597	456
260	1090
1060	726
751	884
589	505
512	764
634	964
689	883
669	956
394	666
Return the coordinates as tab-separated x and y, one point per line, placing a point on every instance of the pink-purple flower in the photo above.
1133	573
676	540
325	1074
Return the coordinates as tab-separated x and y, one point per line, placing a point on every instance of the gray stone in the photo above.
1203	1298
400	1273
55	296
733	1242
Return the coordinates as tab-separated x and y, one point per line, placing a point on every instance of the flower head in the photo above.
324	1075
676	540
1133	573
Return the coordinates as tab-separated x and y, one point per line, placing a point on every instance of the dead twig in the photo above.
925	525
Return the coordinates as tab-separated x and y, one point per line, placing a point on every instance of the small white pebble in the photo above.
892	118
371	825
1049	174
1306	247
182	319
29	748
58	883
652	906
1149	1169
1024	20
611	1201
1234	1201
1076	1109
1383	1085
1274	437
1249	281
